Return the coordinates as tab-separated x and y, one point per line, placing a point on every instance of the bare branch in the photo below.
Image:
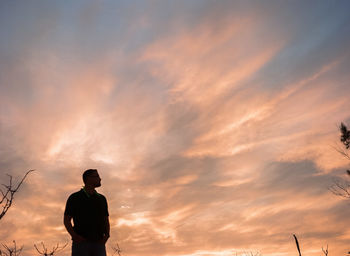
40	252
10	190
342	152
11	250
297	243
44	251
340	188
117	249
325	252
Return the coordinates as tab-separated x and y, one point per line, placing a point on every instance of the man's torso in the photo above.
89	214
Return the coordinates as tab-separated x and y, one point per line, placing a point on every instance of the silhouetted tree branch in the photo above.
8	193
345	140
297	243
341	187
345	135
45	252
325	251
11	250
117	249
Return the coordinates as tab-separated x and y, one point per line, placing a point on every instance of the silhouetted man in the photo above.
89	212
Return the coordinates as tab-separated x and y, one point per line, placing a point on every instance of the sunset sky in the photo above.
213	124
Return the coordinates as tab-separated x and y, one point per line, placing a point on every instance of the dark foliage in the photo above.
345	135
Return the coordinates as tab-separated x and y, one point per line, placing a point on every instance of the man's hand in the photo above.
68	224
104	239
77	238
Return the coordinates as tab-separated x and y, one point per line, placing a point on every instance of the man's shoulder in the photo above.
73	202
101	196
77	194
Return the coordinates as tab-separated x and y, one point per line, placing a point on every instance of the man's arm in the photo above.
67	221
107	229
107	226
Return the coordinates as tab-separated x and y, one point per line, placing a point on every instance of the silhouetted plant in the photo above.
297	243
345	135
8	193
45	252
325	251
116	249
345	140
341	187
11	250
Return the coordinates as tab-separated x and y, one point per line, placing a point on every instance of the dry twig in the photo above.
325	252
340	188
7	195
11	251
297	243
45	252
117	249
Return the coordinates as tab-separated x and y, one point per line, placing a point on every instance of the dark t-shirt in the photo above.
89	214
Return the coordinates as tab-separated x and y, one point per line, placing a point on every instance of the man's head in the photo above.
91	178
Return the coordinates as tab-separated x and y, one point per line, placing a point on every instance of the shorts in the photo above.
86	248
